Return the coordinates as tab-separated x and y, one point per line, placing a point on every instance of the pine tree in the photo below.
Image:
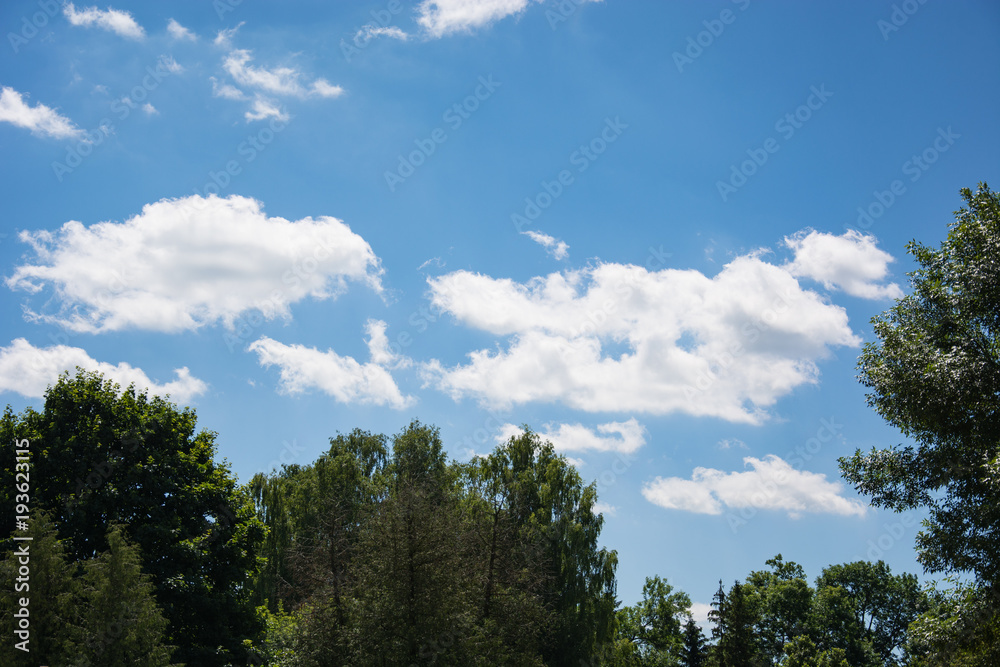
123	627
694	653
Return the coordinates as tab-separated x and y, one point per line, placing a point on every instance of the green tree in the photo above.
934	373
693	653
785	599
833	625
121	623
736	614
884	604
51	593
102	455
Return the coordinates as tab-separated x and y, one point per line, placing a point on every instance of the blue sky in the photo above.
654	232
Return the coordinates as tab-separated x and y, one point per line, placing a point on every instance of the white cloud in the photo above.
323	88
224	38
624	437
185	263
277	81
371	30
442	17
115	20
556	248
263	108
343	378
770	484
729	443
29	370
620	338
850	262
699	612
604	508
40	119
228	91
169	64
150	110
179	32
379	348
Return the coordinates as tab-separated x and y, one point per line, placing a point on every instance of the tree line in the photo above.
147	551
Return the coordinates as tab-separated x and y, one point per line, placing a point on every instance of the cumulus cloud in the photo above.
556	248
30	370
114	20
604	508
179	32
150	110
769	484
39	119
621	338
851	262
343	378
185	263
277	81
623	437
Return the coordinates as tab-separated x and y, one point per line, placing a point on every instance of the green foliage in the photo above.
52	596
934	373
104	456
736	614
961	629
122	625
694	652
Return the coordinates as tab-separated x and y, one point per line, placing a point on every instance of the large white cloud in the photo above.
769	484
851	262
620	338
625	437
185	263
40	119
30	370
343	378
114	20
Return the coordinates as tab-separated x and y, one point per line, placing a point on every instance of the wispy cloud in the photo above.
113	20
558	249
179	32
40	119
277	81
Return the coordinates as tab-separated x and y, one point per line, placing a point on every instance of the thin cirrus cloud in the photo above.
341	377
622	437
113	20
39	119
179	32
553	246
439	18
182	264
621	338
30	370
851	262
768	484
